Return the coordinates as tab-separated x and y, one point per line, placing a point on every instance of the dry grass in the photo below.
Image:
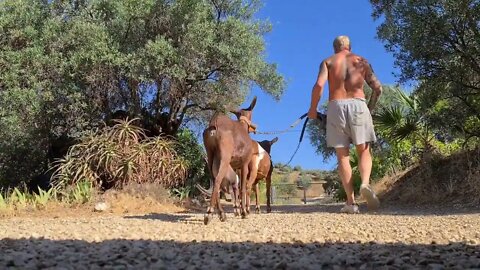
132	199
141	198
443	180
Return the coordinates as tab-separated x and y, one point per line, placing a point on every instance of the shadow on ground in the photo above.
146	254
385	209
165	217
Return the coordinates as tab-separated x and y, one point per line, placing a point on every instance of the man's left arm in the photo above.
376	86
318	90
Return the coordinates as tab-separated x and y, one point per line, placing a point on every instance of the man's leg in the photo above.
345	172
365	168
365	162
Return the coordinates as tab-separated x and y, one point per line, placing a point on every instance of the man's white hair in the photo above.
341	43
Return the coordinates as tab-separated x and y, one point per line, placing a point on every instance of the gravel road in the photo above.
293	237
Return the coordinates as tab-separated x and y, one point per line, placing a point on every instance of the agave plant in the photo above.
119	155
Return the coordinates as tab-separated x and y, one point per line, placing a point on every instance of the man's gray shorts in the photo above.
349	121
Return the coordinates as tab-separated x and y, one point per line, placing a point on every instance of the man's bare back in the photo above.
346	75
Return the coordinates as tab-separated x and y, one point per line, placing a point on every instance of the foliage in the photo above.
435	43
19	198
182	192
284	188
81	192
119	155
41	199
3	201
193	155
304	182
67	66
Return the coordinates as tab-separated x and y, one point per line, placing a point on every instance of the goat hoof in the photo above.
207	218
269	210
223	217
257	210
244	215
236	212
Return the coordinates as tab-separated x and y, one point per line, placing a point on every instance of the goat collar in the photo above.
251	126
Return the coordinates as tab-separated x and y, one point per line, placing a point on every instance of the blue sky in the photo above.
301	38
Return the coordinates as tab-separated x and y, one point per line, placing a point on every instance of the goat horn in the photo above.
204	191
252	105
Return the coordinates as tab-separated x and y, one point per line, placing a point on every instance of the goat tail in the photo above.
211	131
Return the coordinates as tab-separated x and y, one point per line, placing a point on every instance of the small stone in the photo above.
281	265
169	255
256	263
101	207
435	266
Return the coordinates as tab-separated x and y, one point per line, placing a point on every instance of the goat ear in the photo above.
252	105
274	140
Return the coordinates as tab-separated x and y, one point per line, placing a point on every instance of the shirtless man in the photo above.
349	118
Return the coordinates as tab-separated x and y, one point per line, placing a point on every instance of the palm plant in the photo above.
403	119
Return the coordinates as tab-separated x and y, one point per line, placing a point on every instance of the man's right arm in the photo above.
318	90
375	84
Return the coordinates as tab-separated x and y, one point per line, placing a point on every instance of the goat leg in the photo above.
219	171
236	211
252	175
257	203
224	165
268	181
243	191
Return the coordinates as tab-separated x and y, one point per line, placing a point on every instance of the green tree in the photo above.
66	66
436	43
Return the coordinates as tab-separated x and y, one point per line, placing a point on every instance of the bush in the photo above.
304	182
193	155
119	155
284	189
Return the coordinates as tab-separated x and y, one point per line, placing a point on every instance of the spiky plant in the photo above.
404	120
119	155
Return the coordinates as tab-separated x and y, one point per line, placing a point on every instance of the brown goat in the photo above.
227	142
260	167
230	184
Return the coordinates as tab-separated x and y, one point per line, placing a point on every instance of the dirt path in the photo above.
294	237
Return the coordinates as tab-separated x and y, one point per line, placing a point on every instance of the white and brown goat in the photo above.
260	167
